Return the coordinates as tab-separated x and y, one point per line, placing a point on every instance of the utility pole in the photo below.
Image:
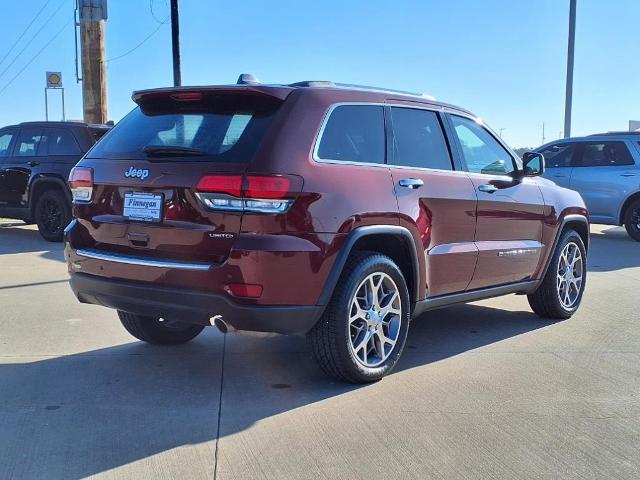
543	137
175	43
92	15
570	53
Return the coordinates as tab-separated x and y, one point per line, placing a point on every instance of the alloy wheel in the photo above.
50	215
635	219
375	318
570	274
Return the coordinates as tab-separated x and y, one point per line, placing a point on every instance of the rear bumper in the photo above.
192	306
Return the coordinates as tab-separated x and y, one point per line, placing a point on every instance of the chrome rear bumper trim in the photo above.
145	262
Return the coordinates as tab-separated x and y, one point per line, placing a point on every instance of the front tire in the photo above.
362	333
632	220
560	293
157	331
52	214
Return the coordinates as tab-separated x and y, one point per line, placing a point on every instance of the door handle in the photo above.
487	188
628	174
33	163
411	183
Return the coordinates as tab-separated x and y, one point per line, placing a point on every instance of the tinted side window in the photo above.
354	133
605	154
28	142
97	133
482	153
60	142
561	155
419	141
5	142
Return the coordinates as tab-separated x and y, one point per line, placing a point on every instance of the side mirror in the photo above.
532	164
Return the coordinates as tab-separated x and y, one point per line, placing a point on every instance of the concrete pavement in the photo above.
485	390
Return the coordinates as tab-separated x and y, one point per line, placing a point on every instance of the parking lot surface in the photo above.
485	390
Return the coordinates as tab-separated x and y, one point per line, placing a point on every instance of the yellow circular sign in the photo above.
54	79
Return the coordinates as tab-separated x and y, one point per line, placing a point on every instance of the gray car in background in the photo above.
605	170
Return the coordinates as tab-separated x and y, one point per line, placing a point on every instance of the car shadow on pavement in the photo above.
613	249
21	238
78	415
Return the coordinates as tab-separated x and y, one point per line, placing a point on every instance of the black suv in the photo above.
35	161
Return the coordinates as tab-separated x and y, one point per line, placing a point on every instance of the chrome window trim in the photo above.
327	115
145	262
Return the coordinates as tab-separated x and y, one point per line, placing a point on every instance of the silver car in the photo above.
605	170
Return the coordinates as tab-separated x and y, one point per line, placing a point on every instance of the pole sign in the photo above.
54	79
54	82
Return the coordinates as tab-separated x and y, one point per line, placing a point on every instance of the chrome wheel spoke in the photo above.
391	304
375	319
569	276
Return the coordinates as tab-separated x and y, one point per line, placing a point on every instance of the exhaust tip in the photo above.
221	325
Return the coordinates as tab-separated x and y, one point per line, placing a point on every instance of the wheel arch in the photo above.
43	183
394	241
577	222
623	210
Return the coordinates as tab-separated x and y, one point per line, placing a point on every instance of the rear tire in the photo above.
52	214
156	331
362	333
632	220
560	293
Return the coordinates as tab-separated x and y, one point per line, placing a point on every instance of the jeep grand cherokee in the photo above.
339	212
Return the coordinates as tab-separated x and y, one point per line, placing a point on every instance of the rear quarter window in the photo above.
354	133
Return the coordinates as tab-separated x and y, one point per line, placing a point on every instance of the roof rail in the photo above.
619	132
327	83
379	89
313	83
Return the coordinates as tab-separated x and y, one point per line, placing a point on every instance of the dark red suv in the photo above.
332	210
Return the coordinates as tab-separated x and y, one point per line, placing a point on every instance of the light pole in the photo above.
570	52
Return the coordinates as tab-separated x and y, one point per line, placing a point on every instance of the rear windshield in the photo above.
221	128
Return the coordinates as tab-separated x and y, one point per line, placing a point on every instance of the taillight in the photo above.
231	184
252	193
81	184
267	187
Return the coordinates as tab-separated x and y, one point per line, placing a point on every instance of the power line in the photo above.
34	58
137	46
32	38
25	31
151	3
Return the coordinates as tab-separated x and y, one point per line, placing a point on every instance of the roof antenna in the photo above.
247	79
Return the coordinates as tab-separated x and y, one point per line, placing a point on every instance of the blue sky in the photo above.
504	60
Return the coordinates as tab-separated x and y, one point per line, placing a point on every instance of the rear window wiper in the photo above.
172	151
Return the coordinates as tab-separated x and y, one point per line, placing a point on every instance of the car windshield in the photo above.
227	129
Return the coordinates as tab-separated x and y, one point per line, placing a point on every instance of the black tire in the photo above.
158	332
52	214
331	338
632	220
545	301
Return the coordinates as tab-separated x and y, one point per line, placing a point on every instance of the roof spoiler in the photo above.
280	93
